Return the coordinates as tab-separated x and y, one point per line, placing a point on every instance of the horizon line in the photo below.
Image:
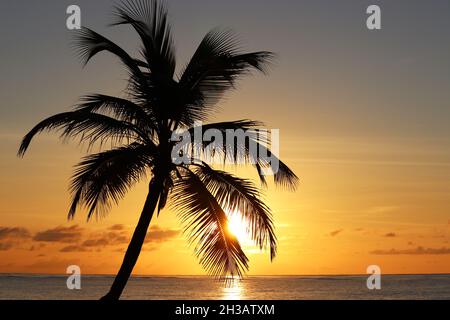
246	276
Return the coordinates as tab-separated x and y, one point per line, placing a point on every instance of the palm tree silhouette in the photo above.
140	128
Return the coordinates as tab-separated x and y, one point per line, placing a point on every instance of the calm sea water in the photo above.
52	287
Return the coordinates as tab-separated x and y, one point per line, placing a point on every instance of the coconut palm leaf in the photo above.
149	19
241	195
88	43
94	186
90	127
248	152
216	66
118	108
205	223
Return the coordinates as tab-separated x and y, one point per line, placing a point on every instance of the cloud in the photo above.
390	235
117	235
14	233
95	242
76	239
417	251
157	235
117	227
106	239
6	246
336	232
73	248
12	237
36	247
149	248
60	234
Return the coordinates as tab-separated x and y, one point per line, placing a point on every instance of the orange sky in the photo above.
350	211
363	122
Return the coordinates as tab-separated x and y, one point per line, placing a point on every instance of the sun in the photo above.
237	226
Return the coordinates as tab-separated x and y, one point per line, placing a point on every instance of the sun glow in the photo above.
237	226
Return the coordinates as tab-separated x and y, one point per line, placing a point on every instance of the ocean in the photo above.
39	287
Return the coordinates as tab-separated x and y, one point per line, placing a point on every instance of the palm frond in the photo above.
236	194
88	43
153	89
283	176
205	223
105	177
90	127
216	65
244	124
248	127
121	109
150	20
248	152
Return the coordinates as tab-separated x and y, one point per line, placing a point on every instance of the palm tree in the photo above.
139	130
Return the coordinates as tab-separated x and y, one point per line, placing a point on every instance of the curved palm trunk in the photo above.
134	248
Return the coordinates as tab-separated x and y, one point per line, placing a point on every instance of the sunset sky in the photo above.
363	118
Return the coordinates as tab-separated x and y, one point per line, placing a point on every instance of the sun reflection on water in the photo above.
234	290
